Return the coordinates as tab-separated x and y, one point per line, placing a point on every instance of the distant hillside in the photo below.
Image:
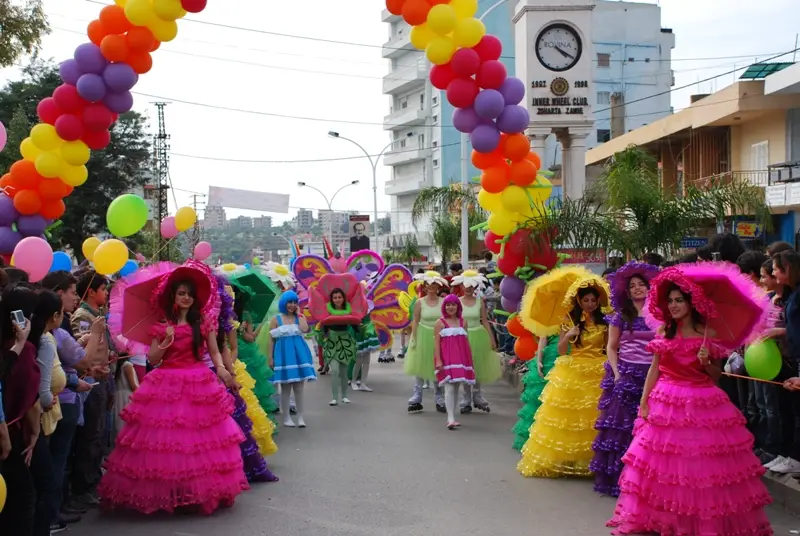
235	245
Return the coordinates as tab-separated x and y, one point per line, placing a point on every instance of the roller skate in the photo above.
415	402
478	401
466	400
438	396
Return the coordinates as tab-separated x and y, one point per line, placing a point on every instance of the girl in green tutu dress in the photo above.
534	381
253	358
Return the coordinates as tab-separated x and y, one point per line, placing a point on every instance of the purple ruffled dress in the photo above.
619	403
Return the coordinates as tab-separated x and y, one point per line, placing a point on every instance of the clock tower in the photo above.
554	57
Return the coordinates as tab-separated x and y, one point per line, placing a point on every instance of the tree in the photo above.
446	232
113	171
147	243
18	129
21	29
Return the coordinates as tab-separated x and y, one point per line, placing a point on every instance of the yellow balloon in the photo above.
75	153
229	267
90	246
442	19
45	137
490	202
163	30
500	223
540	190
168	10
29	150
74	175
140	12
440	50
464	8
185	218
514	199
3	493
468	32
421	36
121	3
110	256
49	164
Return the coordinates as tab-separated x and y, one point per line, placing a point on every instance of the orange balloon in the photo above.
115	48
96	31
523	173
24	175
53	209
395	7
495	179
140	62
525	347
113	18
415	12
515	327
155	46
140	39
533	157
486	160
516	147
68	190
52	189
27	202
7	184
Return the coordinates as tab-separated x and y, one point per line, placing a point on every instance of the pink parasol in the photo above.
732	304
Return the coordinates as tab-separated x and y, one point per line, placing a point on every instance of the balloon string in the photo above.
751	378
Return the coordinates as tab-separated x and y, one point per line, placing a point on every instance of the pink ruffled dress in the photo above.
456	355
690	469
179	446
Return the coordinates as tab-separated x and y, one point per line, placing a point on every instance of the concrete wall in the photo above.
770	127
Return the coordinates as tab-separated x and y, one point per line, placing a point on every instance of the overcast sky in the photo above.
337	86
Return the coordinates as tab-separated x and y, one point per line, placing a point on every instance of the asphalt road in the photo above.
369	468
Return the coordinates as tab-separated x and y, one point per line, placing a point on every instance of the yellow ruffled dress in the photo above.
560	442
263	427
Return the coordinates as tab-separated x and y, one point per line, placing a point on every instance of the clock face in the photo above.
558	47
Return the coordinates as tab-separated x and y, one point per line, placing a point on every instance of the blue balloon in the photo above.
247	265
61	262
129	268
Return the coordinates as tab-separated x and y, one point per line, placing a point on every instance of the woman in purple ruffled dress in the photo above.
626	370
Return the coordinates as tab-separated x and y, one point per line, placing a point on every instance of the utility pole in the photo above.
196	233
161	172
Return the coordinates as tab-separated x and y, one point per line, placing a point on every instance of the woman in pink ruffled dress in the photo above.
690	469
179	447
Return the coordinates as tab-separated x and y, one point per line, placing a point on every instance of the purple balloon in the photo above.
512	288
485	138
91	87
465	120
514	119
8	240
69	72
513	90
89	59
489	103
119	102
120	77
31	225
8	214
509	306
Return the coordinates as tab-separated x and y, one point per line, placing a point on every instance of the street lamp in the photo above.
374	163
329	202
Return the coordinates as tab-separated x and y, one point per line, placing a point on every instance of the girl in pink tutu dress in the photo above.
452	356
179	446
690	469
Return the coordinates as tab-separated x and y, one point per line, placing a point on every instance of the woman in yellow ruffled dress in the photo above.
560	442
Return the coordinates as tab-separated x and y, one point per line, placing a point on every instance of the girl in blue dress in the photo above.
290	357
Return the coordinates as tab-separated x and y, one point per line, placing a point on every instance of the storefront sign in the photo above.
693	242
585	256
746	229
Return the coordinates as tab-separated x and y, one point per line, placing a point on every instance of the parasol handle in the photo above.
568	326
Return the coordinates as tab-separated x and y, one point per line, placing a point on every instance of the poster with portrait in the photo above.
359	232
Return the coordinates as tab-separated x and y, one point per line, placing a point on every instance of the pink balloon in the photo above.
34	256
168	229
202	251
3	136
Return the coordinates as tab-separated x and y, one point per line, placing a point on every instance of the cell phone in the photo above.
18	318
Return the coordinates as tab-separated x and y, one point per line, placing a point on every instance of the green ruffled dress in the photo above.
534	385
258	366
366	341
419	359
486	362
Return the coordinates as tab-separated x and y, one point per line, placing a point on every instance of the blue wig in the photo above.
287	297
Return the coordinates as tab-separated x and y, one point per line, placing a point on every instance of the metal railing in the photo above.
756	178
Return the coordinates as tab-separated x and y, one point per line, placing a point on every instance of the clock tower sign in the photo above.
553	41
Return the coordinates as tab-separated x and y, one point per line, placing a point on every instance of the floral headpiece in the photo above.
470	278
279	273
432	277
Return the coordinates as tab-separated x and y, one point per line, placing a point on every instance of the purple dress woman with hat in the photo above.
626	370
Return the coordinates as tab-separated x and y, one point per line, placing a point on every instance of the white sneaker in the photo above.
788	467
365	388
289	423
301	423
355	387
346	400
333	403
426	385
773	463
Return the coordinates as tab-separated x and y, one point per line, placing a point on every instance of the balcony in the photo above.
402	80
755	178
388	17
397	46
404	118
405	186
405	155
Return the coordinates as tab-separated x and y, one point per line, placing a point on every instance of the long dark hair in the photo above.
193	316
671	329
17	297
577	313
789	263
628	310
337	291
47	304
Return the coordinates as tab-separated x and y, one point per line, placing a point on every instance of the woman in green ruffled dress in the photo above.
366	342
253	358
534	381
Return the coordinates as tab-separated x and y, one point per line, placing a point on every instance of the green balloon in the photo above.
256	261
126	215
763	360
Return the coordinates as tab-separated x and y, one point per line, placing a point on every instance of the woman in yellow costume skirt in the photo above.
560	442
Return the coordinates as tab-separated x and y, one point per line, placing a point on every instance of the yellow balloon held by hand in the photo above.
440	50
89	247
185	218
110	256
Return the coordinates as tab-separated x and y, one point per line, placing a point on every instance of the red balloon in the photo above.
395	7
24	175
52	209
489	48
50	189
490	241
509	263
68	100
525	347
69	127
491	74
48	111
97	117
461	92
519	244
465	62
97	140
27	202
441	76
194	6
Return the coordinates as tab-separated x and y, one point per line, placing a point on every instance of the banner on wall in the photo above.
359	232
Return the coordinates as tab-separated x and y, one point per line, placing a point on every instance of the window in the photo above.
435	100
435	118
435	144
603	135
759	156
603	60
422	102
435	163
403	104
421	141
603	97
402	144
